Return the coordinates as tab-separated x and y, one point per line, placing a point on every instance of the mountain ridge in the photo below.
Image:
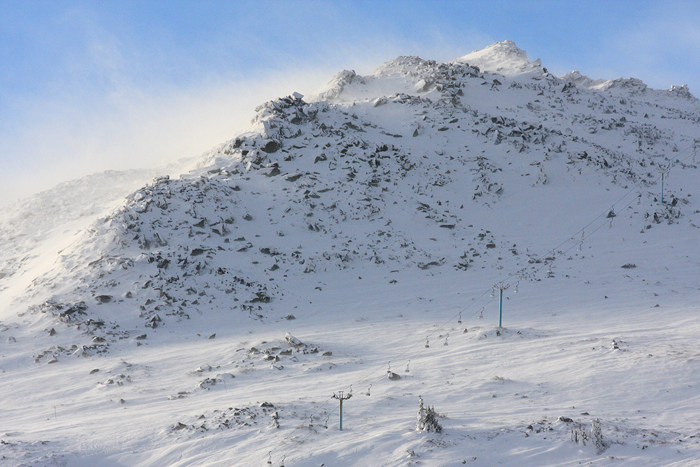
346	159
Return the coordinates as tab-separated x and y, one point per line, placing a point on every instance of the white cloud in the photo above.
61	139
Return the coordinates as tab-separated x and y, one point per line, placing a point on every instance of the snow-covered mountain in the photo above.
350	241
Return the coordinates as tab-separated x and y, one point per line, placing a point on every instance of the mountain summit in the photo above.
504	58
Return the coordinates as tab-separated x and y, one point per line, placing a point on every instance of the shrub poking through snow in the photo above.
597	436
580	435
427	418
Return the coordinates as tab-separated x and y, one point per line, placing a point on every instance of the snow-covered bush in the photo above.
427	418
580	435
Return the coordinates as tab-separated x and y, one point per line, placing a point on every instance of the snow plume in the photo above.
129	128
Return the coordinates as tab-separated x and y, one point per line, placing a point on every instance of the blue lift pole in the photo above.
501	287
500	309
342	398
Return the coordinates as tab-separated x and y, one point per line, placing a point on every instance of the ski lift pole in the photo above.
500	308
664	170
501	287
662	187
341	398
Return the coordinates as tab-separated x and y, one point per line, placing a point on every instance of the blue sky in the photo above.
87	86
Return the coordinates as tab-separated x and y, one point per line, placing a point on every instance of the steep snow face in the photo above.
504	58
354	238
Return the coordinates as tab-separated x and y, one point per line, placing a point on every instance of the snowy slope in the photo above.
350	241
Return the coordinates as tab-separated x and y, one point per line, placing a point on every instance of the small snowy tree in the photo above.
427	418
597	436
